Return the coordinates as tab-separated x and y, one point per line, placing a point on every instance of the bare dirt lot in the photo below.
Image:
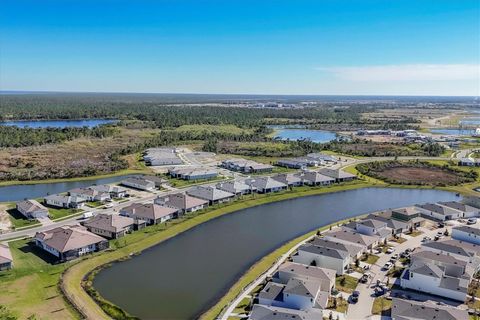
411	175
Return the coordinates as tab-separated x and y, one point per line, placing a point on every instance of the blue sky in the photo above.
412	47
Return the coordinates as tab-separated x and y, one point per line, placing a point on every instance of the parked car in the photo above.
472	221
441	225
87	215
378	291
390	250
438	237
395	256
387	266
354	296
364	278
425	239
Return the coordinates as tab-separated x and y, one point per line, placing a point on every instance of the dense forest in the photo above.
11	136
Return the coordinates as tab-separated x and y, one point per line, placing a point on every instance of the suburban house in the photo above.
89	194
428	310
322	158
297	163
246	166
371	227
467	211
466	233
32	209
297	293
437	212
395	226
151	213
182	202
114	191
110	226
192	173
338	175
459	249
437	274
323	257
289	270
350	237
261	312
313	178
211	194
236	187
161	157
6	260
69	242
158	181
411	215
289	179
57	200
468	162
139	183
354	250
266	184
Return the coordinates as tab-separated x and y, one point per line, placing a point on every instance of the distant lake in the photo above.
470	121
458	132
319	136
57	123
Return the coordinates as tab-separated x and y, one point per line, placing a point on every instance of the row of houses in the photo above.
75	198
445	268
161	157
144	183
310	160
246	166
193	173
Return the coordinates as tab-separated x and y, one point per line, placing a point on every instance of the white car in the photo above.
390	250
387	266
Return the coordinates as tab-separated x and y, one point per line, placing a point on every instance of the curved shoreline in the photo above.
75	275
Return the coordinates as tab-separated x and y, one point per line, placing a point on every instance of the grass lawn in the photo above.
346	283
398	240
95	204
58	213
382	306
18	220
337	304
395	272
415	233
31	287
243	306
370	258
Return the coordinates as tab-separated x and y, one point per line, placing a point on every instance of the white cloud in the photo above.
408	72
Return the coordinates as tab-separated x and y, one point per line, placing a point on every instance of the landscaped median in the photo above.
138	241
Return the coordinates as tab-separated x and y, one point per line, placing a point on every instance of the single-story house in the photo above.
111	226
69	242
466	233
338	175
32	209
182	201
296	163
313	178
354	250
289	179
467	210
323	257
151	213
437	212
161	157
139	183
89	194
246	166
114	191
322	158
428	310
266	184
351	237
193	173
211	194
262	312
158	181
236	187
289	270
57	200
6	260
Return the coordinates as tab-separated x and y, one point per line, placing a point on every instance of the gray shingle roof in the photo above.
468	229
209	193
406	309
333	253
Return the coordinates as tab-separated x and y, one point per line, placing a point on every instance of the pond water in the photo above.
457	132
32	191
470	121
57	123
184	276
319	136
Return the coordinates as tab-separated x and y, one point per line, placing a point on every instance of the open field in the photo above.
416	173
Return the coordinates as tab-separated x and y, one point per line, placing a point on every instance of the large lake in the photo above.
319	136
57	123
184	276
32	191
